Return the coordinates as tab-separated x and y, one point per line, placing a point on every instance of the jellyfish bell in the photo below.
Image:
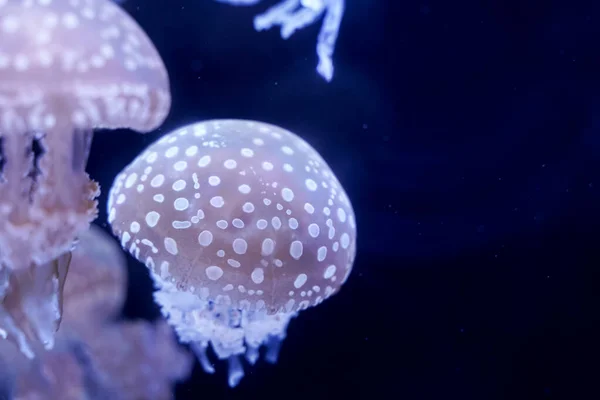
242	224
66	68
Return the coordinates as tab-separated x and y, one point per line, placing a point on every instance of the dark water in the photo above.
467	135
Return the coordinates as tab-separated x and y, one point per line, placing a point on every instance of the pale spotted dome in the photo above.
240	212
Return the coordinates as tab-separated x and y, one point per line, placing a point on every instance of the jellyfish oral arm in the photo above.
292	15
231	333
31	304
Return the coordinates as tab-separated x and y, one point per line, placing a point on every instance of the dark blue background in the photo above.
467	135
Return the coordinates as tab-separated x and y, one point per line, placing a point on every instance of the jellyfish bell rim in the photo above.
24	100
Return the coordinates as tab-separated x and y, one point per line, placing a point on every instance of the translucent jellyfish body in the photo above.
66	67
242	225
96	356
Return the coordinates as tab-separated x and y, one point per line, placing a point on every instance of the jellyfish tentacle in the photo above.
199	350
252	354
273	348
16	186
63	166
31	305
235	371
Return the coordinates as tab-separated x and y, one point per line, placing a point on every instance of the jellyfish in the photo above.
124	360
66	68
292	15
96	355
242	224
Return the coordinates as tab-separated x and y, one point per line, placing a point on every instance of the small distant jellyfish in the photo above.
242	225
292	15
66	68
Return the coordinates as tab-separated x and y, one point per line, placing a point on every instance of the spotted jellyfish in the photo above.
66	68
242	225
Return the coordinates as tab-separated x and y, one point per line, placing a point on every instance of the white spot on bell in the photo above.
329	272
205	238
171	245
296	249
240	246
300	281
213	272
258	275
152	218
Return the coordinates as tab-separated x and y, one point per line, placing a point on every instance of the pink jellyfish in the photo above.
66	68
242	225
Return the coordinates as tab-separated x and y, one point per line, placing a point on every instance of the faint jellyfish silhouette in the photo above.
127	360
242	224
65	68
96	357
292	15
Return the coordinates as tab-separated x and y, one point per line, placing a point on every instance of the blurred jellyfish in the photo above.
95	291
55	374
242	224
127	360
95	356
292	15
66	67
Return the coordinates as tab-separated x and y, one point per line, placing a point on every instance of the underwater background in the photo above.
467	136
